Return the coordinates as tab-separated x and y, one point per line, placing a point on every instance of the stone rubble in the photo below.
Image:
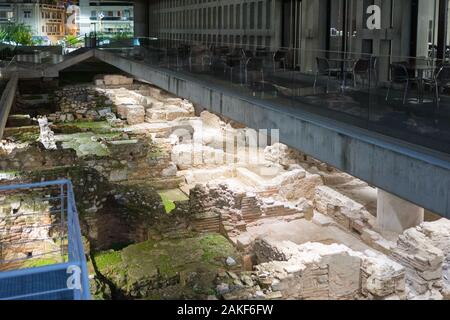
347	212
315	271
424	251
46	135
228	193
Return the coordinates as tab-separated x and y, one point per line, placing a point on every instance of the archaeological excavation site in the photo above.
173	201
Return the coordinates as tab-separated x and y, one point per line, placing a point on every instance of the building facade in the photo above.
107	17
46	18
405	27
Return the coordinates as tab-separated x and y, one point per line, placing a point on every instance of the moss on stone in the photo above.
169	205
92	125
26	136
215	246
170	196
107	259
85	143
34	263
154	268
42	262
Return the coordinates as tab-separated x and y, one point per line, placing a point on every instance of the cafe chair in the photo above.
279	57
440	80
400	75
324	69
361	68
254	65
232	62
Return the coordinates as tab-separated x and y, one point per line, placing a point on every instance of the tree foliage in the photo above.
17	33
72	41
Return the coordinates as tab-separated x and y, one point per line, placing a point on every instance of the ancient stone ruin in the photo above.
177	203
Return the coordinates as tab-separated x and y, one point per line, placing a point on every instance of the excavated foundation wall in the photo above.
28	226
317	271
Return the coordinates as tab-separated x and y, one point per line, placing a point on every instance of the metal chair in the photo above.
206	59
171	55
279	56
254	64
361	68
400	75
231	62
440	80
424	61
324	69
183	55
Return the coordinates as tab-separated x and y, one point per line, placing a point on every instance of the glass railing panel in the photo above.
350	87
410	100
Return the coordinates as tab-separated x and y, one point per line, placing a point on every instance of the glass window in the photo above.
252	15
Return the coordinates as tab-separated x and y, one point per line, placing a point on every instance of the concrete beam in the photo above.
407	171
52	70
67	62
6	101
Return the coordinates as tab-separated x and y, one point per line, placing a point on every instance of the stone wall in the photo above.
424	251
23	157
149	104
113	80
110	213
234	209
129	157
318	271
346	212
28	228
81	103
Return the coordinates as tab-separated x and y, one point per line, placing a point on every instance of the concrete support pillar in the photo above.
395	214
141	21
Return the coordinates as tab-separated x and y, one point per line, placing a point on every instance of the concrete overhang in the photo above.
413	173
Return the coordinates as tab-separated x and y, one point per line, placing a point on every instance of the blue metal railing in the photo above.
68	280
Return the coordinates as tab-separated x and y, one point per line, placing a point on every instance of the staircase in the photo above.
250	209
207	224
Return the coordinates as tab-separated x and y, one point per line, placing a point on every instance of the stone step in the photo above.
211	229
205	226
268	193
205	223
207	220
250	212
253	217
249	207
280	211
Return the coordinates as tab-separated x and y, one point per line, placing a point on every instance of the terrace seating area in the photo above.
402	97
406	98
